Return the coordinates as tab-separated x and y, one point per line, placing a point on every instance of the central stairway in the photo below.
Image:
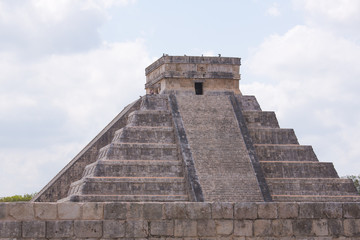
140	164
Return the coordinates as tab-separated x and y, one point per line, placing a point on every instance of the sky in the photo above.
68	67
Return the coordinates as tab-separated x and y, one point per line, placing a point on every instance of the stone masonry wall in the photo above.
220	220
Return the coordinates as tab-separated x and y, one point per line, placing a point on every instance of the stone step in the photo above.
260	119
144	135
129	186
248	103
273	136
291	169
154	102
151	118
282	152
311	186
313	198
139	151
127	198
130	168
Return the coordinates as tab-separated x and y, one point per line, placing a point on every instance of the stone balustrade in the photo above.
179	220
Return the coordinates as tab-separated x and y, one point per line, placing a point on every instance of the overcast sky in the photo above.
68	67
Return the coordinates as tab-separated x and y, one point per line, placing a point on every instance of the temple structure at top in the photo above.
193	75
195	137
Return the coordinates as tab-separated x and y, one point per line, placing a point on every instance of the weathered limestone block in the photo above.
243	228
135	211
185	228
332	210
115	211
33	229
335	227
93	211
320	227
224	227
320	210
268	210
222	210
198	210
69	210
263	228
46	211
153	211
175	210
288	210
88	229
21	211
3	211
59	229
10	229
206	228
162	228
136	229
351	210
114	229
302	227
245	210
311	210
352	227
281	227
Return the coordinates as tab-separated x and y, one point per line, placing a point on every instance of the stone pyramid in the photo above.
195	137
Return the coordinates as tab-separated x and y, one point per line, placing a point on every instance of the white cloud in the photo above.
60	103
40	27
60	84
273	11
345	11
339	16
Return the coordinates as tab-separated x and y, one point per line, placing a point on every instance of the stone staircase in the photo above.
292	171
220	155
140	164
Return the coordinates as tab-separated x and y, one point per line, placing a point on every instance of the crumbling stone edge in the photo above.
180	220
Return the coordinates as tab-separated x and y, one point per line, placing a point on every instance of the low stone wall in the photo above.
180	220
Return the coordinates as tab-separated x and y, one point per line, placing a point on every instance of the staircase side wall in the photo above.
58	187
205	220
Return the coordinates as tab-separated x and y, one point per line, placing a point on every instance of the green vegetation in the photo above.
356	180
18	198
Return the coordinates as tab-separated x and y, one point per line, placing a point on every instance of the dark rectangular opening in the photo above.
199	88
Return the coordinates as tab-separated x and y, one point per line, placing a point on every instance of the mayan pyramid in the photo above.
195	137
